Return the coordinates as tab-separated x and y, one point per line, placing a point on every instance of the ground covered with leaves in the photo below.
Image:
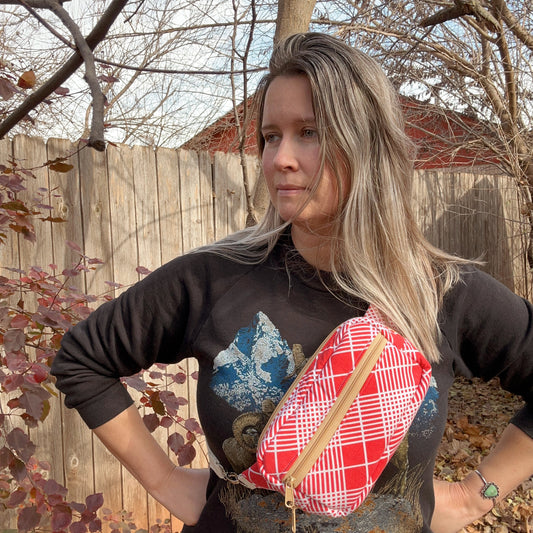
478	414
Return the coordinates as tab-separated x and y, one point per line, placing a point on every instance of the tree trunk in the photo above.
294	16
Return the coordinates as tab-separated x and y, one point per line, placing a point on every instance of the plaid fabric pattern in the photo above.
368	435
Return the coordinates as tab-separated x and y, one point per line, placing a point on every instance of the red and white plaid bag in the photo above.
340	423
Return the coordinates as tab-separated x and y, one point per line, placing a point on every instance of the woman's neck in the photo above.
314	248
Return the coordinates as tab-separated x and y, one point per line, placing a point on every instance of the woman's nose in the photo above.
286	157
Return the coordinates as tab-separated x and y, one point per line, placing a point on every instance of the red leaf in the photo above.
16	498
166	422
6	457
19	322
14	340
61	517
95	525
62	91
186	455
18	470
73	245
107	79
143	271
192	425
151	421
78	507
175	442
52	487
39	373
16	362
179	378
20	442
171	401
27	80
135	382
28	519
78	527
94	502
61	167
33	402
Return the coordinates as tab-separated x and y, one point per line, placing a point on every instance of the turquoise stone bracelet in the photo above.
489	491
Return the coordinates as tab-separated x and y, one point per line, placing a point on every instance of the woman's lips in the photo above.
288	190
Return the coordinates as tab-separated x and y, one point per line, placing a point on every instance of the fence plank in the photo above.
190	196
149	249
9	257
9	253
66	203
96	218
170	228
31	153
124	232
168	187
196	205
96	223
205	169
229	195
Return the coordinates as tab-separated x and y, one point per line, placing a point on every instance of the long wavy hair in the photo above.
378	252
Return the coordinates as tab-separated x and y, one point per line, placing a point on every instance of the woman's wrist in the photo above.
477	505
184	493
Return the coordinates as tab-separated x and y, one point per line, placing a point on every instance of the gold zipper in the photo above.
331	422
289	501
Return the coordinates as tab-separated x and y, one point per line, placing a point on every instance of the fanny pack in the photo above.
342	419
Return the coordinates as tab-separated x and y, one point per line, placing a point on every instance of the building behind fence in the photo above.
140	206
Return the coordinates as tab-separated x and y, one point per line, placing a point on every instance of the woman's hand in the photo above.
458	504
184	493
180	490
508	464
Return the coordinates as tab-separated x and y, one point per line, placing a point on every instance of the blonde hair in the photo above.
378	252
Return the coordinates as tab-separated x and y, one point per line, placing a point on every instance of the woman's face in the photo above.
291	157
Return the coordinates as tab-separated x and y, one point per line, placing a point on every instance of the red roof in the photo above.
441	139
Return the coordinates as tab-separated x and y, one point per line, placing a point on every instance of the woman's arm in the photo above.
181	490
508	464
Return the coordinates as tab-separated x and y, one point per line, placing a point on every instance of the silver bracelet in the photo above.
489	491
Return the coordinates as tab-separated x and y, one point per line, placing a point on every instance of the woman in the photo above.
339	234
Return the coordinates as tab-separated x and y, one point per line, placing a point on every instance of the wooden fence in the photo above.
140	206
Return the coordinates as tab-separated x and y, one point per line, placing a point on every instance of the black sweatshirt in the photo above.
249	327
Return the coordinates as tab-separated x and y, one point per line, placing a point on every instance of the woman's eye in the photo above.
308	132
270	137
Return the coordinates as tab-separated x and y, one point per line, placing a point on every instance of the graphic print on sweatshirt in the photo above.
252	375
256	366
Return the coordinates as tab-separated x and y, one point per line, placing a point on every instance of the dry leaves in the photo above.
478	414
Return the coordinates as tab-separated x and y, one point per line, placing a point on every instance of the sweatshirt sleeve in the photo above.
144	325
490	329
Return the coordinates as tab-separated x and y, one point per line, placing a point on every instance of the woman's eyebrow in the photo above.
300	122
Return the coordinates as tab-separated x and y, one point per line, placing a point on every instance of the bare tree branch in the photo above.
38	96
513	24
36	4
42	21
460	9
96	139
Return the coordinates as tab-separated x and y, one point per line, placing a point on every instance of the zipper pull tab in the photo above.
289	501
